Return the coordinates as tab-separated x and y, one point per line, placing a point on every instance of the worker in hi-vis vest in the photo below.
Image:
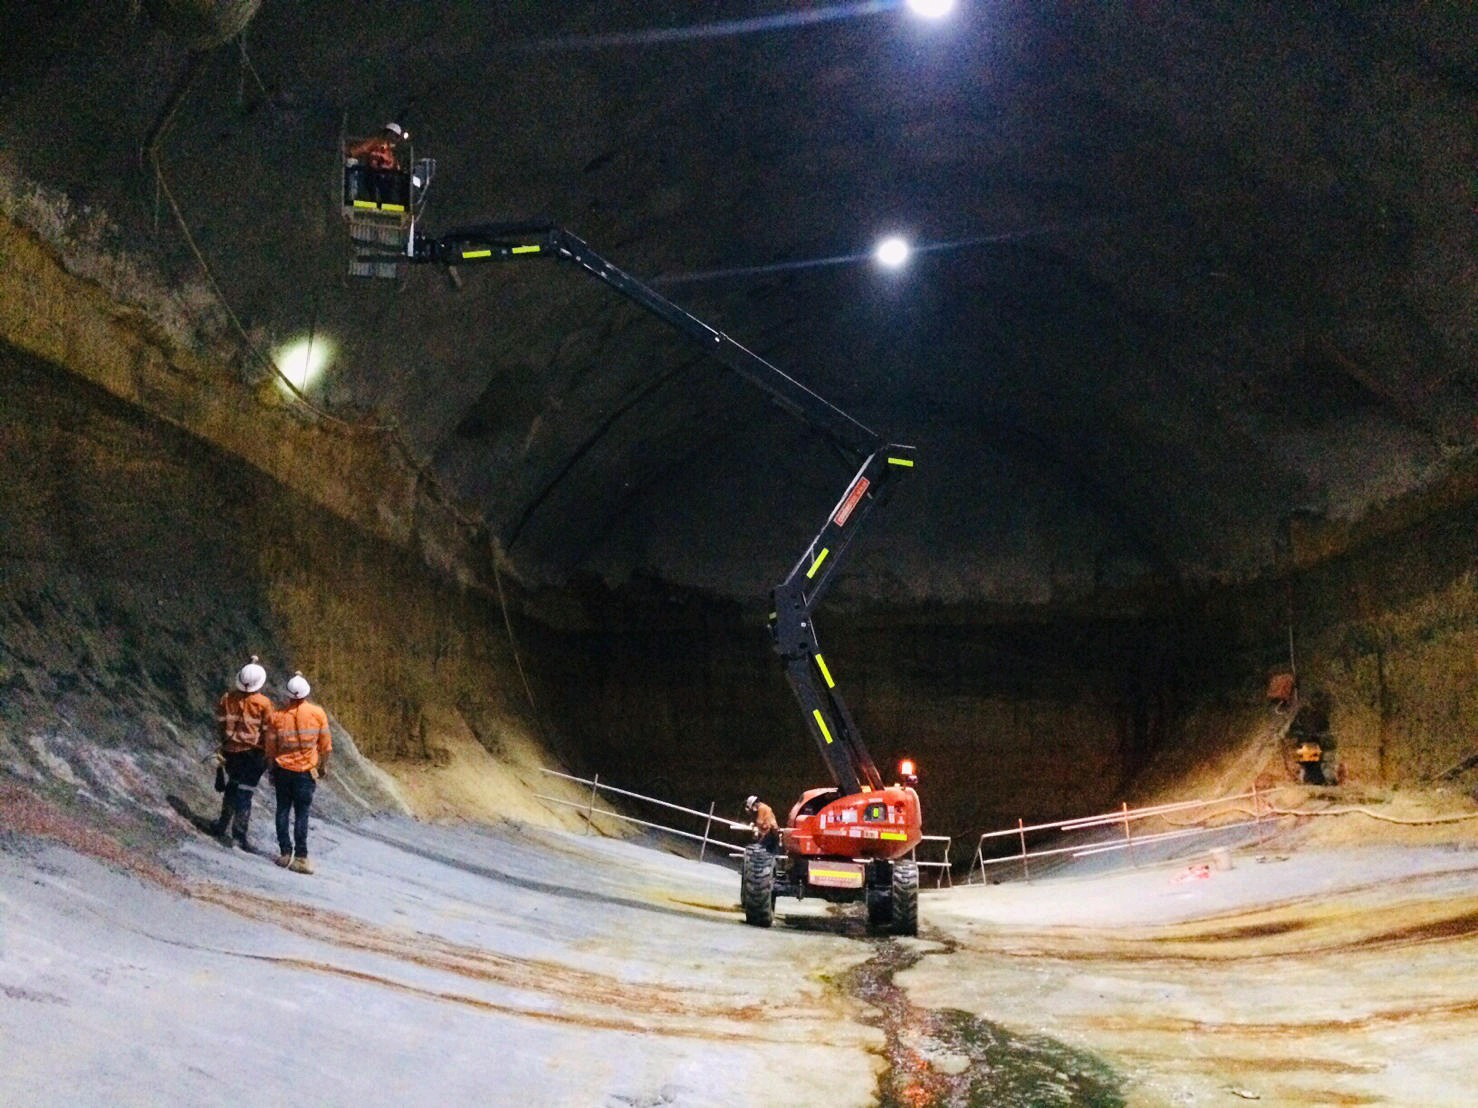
298	746
242	718
766	827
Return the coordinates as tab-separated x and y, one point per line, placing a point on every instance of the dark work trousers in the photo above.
770	840
294	798
243	770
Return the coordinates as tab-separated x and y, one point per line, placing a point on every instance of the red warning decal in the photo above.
845	510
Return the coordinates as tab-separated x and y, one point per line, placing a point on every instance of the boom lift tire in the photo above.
757	887
879	907
905	898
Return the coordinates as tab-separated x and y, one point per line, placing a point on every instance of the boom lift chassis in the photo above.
852	841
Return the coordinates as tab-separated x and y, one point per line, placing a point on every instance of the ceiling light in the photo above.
931	9
892	252
303	361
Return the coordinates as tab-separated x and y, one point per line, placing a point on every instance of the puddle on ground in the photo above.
946	1058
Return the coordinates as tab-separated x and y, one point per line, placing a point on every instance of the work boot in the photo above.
243	824
300	864
222	824
284	860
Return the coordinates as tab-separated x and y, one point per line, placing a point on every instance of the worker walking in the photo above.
298	746
766	827
243	717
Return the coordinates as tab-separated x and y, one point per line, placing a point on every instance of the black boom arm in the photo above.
795	599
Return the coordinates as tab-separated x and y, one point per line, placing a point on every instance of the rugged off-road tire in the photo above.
757	887
905	898
879	908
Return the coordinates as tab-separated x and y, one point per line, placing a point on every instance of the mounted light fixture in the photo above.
891	252
303	361
931	9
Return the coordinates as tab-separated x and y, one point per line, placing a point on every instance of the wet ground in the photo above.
1315	977
460	964
939	1057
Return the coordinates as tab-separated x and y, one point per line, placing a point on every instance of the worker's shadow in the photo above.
183	809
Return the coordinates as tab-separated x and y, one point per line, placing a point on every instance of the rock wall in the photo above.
1384	629
668	691
1040	715
160	521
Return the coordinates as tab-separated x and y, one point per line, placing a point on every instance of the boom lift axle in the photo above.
852	841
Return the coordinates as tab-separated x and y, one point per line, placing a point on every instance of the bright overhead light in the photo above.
892	252
931	9
303	361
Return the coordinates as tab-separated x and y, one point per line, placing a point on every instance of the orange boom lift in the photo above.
852	840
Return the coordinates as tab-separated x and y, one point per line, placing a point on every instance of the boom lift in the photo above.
854	840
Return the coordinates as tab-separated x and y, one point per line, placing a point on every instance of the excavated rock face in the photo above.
1198	267
201	24
1196	311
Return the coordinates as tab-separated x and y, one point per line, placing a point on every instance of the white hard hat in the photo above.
750	803
395	129
251	677
298	687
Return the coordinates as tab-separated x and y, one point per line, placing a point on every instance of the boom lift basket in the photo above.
380	207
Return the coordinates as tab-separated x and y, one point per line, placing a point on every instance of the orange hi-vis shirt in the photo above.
764	819
243	719
299	735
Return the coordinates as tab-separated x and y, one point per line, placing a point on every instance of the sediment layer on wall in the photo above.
159	522
358	472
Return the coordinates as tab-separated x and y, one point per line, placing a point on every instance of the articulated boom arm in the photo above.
497	242
793	626
795	599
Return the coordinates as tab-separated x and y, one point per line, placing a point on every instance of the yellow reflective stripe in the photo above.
477	253
534	249
899	835
817	563
364	203
901	462
847	873
392	207
821	723
821	665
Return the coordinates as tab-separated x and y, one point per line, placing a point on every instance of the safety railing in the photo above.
711	821
944	878
1206	816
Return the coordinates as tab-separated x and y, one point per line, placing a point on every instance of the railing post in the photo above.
1026	872
590	808
1128	838
979	861
702	850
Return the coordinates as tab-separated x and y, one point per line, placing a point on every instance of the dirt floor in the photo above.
1329	964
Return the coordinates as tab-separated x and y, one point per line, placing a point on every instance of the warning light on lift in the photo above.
908	772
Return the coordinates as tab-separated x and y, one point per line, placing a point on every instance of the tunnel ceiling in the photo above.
1191	268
